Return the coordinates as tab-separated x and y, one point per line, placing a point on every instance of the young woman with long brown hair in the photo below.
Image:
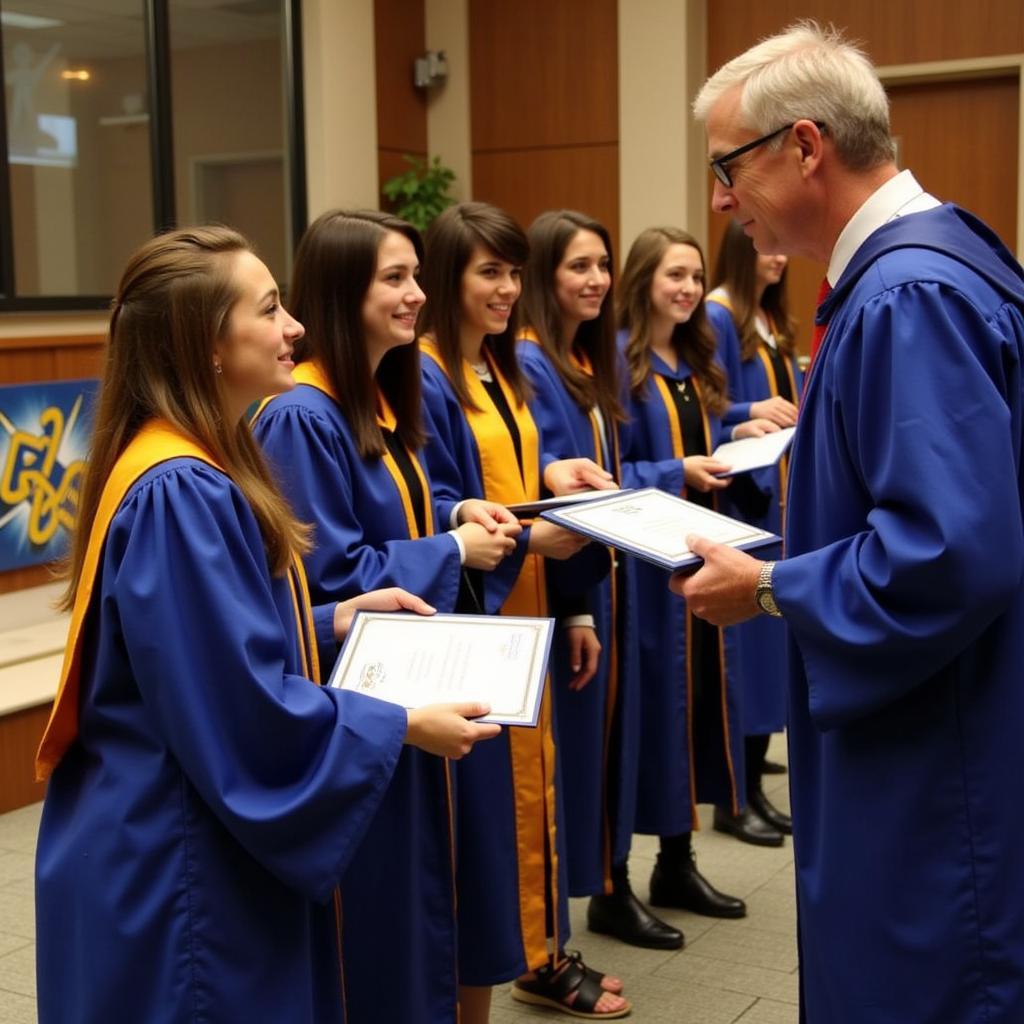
513	916
205	795
756	342
692	750
567	351
345	447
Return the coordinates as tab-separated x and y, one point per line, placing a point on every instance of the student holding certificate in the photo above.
205	797
344	446
748	311
568	353
513	920
692	741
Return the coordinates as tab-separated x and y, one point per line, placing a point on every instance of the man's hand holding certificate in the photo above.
654	525
415	660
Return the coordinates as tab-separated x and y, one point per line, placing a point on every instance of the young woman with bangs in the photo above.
205	797
513	919
691	748
568	353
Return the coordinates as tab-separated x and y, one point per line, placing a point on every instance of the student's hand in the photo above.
699	472
779	410
445	729
567	476
555	542
723	591
390	599
584	654
488	514
755	428
485	550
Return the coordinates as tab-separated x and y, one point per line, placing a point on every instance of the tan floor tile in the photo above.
17	911
766	1011
18	829
15	867
17	1009
9	943
18	971
739	942
748	979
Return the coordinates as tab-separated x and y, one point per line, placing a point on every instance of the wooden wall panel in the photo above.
400	37
544	107
906	32
20	734
527	183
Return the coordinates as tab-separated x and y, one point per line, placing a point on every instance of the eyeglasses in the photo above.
718	165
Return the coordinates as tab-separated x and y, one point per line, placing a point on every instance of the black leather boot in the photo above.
676	883
748	827
620	914
764	808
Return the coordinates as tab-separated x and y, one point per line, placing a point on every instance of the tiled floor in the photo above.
729	971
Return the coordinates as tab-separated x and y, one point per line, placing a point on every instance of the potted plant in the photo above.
419	194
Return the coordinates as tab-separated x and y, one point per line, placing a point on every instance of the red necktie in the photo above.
819	329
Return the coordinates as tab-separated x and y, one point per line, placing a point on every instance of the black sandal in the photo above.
553	985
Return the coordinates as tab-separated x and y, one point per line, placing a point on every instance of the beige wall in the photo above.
448	134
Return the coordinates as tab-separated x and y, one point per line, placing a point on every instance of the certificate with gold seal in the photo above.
413	660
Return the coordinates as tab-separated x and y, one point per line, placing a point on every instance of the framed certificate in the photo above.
653	525
750	453
413	660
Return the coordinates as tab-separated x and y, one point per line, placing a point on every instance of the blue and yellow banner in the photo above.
44	438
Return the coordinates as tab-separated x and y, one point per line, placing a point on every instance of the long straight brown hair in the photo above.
549	236
334	267
173	303
693	341
736	271
450	241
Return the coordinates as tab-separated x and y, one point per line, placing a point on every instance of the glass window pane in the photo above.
227	92
78	142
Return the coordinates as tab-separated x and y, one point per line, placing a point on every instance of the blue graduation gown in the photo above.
761	640
194	832
904	592
398	893
597	727
679	766
510	862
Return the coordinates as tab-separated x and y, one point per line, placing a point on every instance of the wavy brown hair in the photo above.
736	271
450	241
693	341
335	264
550	235
172	305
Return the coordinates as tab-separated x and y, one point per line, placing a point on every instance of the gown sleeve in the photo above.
729	356
878	612
293	771
315	471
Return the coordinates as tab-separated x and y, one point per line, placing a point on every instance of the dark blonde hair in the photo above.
450	241
550	235
334	267
172	305
694	341
736	271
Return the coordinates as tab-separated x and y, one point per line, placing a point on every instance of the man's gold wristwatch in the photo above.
765	595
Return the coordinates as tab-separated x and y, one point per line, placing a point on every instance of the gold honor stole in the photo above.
532	750
312	373
679	452
582	362
157	441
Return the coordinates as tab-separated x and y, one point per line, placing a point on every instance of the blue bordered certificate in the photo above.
413	660
653	525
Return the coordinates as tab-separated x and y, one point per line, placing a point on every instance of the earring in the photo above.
217	368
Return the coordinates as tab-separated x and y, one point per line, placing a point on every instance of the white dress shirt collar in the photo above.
898	197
